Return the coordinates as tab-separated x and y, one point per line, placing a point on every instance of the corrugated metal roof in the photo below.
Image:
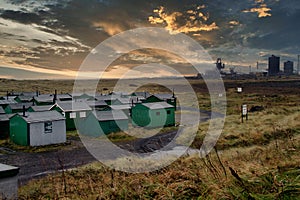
18	106
164	96
106	97
71	106
64	96
25	98
7	97
110	115
44	98
143	94
2	111
40	108
8	171
157	105
120	107
4	117
96	103
7	101
33	117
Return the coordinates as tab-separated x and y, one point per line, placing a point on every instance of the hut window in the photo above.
168	112
72	115
64	114
82	114
157	113
48	127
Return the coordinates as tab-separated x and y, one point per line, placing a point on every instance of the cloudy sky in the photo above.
51	38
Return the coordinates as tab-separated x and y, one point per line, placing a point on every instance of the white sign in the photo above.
239	89
244	110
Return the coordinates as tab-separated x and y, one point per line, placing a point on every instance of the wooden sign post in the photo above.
244	111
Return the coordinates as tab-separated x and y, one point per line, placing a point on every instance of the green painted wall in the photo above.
70	124
17	99
92	127
172	102
143	116
18	130
8	110
140	115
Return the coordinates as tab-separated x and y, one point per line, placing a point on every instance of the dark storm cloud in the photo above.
21	16
59	34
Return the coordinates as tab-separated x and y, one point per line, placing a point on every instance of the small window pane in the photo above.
72	115
82	114
48	127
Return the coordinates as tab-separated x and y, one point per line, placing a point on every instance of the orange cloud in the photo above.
109	28
262	10
177	22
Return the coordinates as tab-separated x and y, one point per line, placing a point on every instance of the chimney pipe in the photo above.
37	93
55	97
24	111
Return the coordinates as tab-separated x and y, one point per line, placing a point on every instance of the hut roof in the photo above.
19	106
110	115
40	108
33	117
69	106
157	105
7	102
164	96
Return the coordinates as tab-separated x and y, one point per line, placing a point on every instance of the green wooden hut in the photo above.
126	109
72	110
109	99
24	99
169	98
43	100
141	94
38	128
104	122
153	115
17	107
7	102
39	108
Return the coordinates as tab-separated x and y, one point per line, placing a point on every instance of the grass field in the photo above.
257	159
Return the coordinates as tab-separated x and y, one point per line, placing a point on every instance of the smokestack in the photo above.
37	93
173	93
24	115
33	101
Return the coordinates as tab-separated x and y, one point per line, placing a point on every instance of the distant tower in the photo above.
219	64
298	67
288	67
274	63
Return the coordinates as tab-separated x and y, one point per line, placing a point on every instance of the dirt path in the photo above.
35	165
